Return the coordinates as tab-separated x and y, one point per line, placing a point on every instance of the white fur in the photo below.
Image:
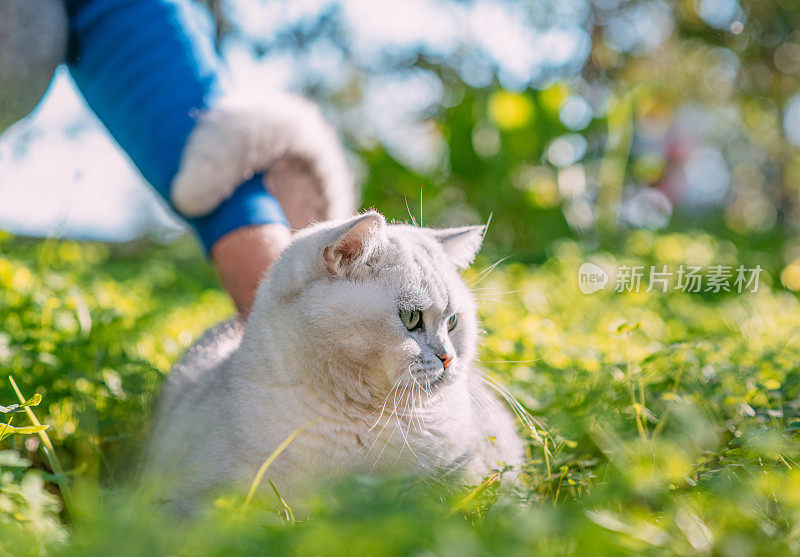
325	346
242	136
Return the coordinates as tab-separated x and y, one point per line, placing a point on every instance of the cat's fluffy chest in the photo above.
239	422
389	439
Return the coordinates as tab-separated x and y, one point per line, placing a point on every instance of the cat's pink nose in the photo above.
446	359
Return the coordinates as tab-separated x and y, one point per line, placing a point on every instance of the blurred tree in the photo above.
579	118
562	147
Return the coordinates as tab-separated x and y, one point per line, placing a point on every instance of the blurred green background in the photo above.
577	118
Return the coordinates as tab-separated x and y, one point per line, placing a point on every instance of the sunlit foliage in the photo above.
667	420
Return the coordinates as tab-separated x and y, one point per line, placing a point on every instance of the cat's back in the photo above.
202	362
189	395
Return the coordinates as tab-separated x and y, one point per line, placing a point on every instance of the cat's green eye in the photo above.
411	319
452	322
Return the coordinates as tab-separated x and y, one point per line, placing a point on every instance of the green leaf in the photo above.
8	430
626	327
33	401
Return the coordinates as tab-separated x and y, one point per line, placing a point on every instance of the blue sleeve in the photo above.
147	68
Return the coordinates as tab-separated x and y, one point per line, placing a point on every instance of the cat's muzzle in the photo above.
433	376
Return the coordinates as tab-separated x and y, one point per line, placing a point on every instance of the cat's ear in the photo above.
460	244
353	242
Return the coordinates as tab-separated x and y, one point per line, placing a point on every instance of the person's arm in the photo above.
148	69
243	256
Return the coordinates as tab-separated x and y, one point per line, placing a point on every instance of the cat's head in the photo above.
370	305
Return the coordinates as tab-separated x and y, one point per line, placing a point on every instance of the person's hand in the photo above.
243	258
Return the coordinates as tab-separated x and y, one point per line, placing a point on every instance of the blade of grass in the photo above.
287	510
492	479
29	430
49	452
267	463
5	428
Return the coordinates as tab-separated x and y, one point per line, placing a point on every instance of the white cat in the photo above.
362	331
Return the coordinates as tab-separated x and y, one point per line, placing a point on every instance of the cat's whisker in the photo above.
378	437
408	429
383	408
389	419
378	458
483	399
393	390
491	291
479	402
485	273
399	455
409	415
405	413
385	400
383	404
402	412
413	220
483	300
418	386
424	429
412	406
508	361
516	407
389	437
523	414
421	411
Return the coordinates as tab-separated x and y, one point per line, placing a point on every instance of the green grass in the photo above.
668	420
